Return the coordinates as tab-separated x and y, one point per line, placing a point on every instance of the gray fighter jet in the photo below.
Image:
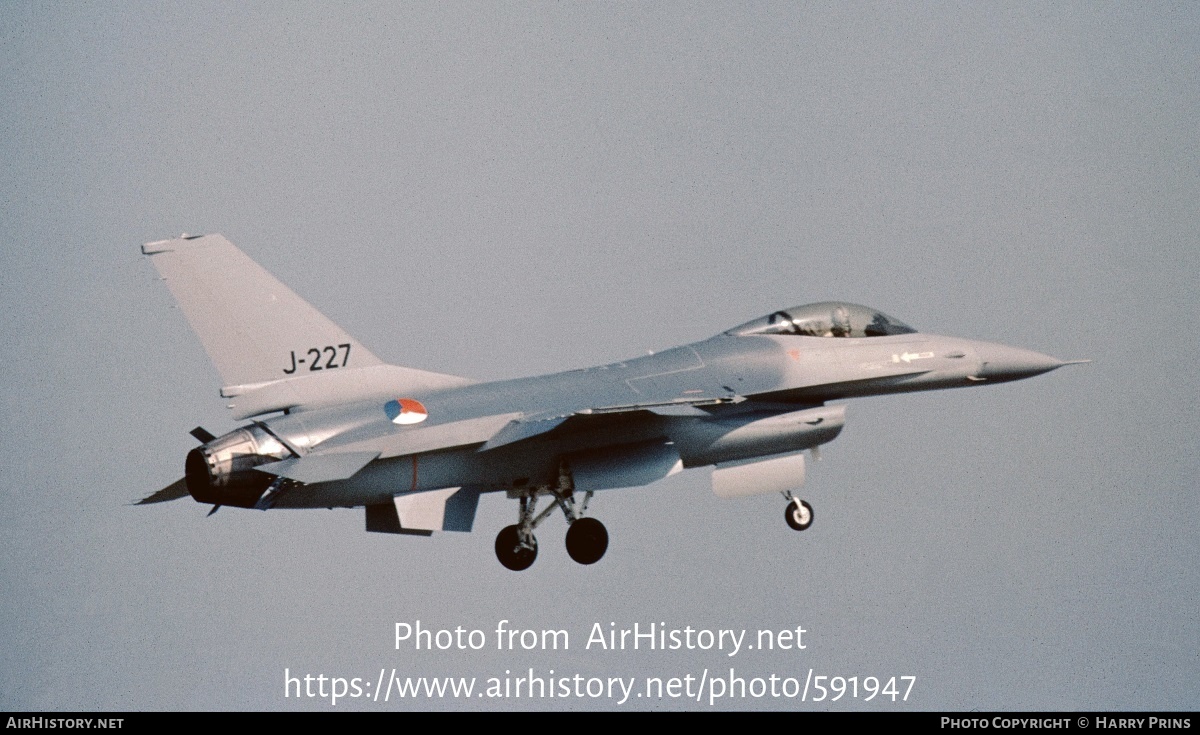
330	425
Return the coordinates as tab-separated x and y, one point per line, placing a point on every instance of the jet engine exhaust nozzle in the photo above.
221	472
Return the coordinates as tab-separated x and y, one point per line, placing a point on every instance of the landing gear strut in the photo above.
798	513
516	546
587	538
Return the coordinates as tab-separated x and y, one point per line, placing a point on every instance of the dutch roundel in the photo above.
405	411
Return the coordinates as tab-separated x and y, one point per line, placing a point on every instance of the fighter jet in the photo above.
328	424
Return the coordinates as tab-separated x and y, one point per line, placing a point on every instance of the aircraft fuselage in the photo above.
776	375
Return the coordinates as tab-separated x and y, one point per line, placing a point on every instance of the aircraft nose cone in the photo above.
999	363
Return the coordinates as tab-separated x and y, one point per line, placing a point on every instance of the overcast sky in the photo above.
501	189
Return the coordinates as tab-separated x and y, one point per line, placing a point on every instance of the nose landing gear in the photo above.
797	513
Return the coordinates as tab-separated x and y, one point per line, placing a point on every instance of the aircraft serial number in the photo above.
320	358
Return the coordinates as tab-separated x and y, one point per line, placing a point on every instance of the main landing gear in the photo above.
798	513
513	551
587	538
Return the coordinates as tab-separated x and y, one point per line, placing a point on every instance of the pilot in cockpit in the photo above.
841	323
825	319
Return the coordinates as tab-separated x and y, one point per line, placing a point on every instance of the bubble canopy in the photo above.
825	319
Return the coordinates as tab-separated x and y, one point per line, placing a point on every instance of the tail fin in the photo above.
255	329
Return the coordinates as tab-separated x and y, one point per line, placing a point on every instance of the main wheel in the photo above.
799	515
510	552
587	540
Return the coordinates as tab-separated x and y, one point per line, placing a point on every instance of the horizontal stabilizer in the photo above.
320	467
202	435
174	491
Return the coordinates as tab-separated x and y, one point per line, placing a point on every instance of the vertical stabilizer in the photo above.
254	328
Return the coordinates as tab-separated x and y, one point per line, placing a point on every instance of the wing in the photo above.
487	433
528	427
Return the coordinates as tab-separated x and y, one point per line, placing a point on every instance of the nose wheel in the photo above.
798	513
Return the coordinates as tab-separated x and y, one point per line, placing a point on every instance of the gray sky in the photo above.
496	190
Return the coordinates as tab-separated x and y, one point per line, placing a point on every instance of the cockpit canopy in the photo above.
825	319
